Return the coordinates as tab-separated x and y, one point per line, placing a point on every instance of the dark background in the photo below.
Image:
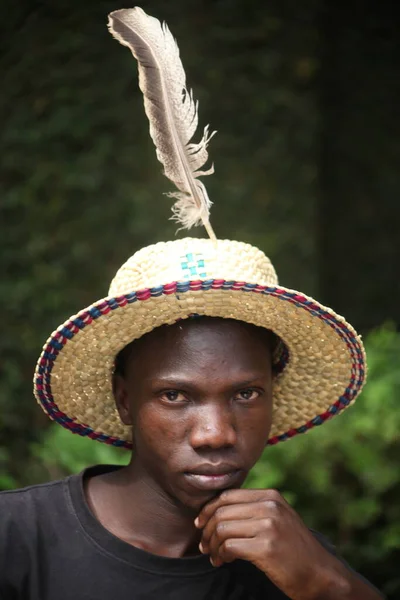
305	98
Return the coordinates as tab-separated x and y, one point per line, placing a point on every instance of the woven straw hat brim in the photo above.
323	374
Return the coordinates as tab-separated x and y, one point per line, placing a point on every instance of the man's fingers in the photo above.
238	496
232	512
237	548
226	530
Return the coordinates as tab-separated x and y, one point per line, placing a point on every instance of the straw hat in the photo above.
321	370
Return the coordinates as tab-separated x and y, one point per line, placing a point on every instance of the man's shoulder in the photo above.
31	505
31	493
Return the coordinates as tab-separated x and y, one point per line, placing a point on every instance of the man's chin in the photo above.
194	503
197	498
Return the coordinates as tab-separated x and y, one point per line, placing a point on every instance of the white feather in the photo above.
171	110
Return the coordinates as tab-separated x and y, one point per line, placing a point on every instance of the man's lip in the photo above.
211	469
213	481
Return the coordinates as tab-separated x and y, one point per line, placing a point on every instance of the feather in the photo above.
171	110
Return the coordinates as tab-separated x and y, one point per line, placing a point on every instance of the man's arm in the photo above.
332	550
261	527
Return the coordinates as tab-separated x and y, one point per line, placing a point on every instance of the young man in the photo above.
196	359
198	393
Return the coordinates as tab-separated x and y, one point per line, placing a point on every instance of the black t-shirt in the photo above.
53	548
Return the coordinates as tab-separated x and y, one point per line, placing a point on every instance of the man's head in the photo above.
198	395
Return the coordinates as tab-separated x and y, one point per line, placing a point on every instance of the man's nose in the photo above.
213	427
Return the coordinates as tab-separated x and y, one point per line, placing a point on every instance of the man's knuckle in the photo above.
274	496
228	548
220	529
270	508
270	529
219	512
268	547
268	524
272	505
224	495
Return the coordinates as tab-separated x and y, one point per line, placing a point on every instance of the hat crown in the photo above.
193	259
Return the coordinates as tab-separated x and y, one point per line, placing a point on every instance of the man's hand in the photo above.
259	526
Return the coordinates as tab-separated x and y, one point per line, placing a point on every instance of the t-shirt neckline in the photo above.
119	549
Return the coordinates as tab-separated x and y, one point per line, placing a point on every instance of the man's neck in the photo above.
132	508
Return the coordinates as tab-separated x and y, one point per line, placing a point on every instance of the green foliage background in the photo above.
303	97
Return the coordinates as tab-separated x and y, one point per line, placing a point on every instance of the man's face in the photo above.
198	395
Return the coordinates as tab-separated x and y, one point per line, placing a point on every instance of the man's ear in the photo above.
121	398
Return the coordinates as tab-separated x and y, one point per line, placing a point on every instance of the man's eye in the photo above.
248	394
173	396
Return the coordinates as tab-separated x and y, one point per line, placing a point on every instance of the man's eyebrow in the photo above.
179	381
